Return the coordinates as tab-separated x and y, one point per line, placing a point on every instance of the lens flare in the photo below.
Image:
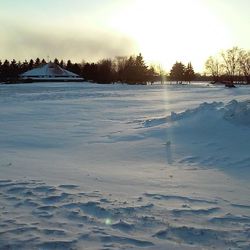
108	221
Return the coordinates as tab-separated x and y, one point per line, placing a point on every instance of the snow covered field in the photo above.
86	166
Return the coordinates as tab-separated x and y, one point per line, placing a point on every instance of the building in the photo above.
50	72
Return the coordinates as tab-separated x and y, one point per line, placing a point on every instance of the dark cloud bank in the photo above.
23	43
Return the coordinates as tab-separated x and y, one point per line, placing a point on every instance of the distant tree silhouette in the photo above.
13	69
69	65
244	62
43	61
120	64
177	72
37	62
132	70
105	73
56	61
152	75
231	62
89	71
31	64
129	71
189	74
1	70
24	66
141	70
160	73
213	67
75	68
6	69
62	64
232	65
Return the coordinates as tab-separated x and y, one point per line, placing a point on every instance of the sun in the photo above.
166	31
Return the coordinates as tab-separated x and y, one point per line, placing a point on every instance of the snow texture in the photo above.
86	166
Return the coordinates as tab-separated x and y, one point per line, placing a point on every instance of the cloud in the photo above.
83	44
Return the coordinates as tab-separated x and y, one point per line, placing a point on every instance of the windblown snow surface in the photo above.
85	166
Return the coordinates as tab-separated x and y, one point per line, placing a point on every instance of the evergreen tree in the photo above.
152	76
31	64
56	61
189	74
37	62
76	68
24	66
69	65
1	70
89	71
13	69
105	71
62	64
6	69
140	70
177	72
129	70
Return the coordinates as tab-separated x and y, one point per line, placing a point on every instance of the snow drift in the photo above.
213	134
124	167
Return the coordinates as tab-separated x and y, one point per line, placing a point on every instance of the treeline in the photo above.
131	70
232	65
11	70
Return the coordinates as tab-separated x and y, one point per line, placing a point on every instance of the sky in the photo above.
164	31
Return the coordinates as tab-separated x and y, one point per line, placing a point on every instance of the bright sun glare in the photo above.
166	31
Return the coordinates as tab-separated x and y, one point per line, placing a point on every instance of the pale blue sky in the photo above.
163	30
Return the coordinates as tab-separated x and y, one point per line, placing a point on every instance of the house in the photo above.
50	72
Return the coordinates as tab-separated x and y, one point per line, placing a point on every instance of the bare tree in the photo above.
231	62
161	72
214	68
120	65
244	63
